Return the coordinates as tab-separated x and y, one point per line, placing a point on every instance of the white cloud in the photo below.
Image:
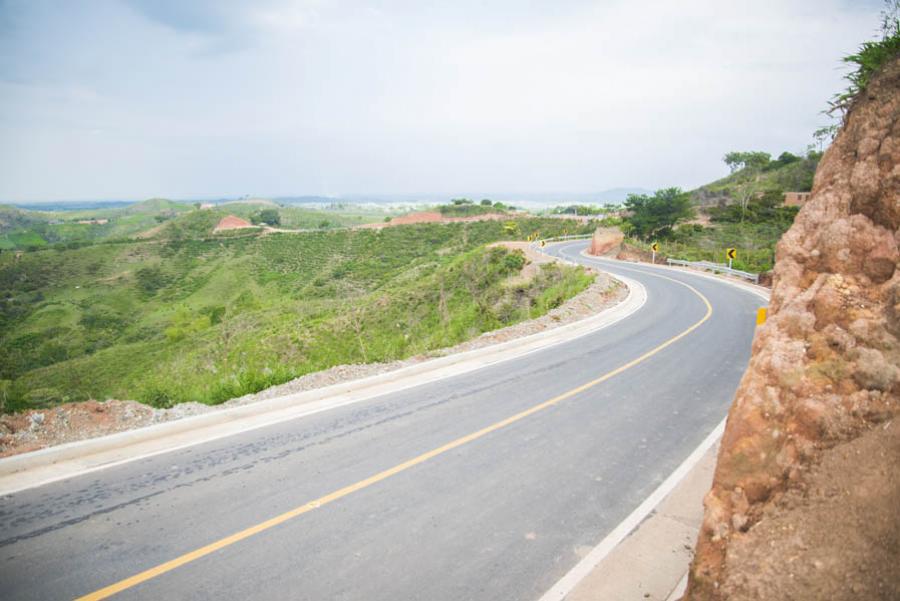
318	96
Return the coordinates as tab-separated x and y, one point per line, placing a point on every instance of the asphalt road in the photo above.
502	516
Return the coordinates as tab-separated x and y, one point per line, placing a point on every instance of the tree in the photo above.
656	215
485	202
786	158
751	164
765	208
746	160
267	216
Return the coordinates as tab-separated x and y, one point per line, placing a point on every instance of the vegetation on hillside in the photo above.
870	57
28	230
746	207
580	209
463	207
653	216
755	244
753	229
181	318
754	173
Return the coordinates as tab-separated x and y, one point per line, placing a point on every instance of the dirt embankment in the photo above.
804	504
606	241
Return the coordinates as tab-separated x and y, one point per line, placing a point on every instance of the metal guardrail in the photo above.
704	265
536	244
572	237
716	267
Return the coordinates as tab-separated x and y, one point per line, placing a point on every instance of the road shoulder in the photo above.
653	560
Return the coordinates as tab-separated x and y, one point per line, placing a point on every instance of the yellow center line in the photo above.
162	568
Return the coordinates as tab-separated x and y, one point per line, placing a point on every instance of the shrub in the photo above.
150	279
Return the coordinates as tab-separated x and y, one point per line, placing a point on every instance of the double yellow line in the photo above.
170	565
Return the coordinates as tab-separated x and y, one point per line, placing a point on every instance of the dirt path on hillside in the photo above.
36	429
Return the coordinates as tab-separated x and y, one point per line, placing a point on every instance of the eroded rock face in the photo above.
824	369
606	241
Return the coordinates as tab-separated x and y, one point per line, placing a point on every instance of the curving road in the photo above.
501	512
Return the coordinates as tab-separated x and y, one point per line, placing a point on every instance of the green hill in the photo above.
171	320
788	173
743	211
156	206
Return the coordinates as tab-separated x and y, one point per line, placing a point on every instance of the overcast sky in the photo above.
140	98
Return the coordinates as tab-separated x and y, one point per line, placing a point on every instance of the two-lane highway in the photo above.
488	485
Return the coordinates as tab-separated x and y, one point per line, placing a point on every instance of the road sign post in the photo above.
654	247
731	253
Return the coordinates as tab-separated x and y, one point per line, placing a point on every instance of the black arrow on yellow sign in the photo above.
655	247
731	253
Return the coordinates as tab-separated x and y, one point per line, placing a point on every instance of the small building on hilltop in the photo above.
232	222
795	199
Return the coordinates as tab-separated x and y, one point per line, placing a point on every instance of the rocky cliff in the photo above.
805	503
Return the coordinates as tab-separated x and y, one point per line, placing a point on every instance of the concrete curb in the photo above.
28	470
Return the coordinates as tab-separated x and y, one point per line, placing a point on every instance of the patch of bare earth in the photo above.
836	537
37	429
153	231
32	430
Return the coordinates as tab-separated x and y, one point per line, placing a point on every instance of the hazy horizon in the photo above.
132	99
532	200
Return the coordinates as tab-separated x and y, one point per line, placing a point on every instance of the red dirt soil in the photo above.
232	222
39	428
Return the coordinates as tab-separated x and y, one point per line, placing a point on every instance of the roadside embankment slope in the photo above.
805	495
45	427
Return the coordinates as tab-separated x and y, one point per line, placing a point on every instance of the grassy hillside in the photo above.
178	319
294	217
744	210
790	176
24	230
463	207
747	212
755	244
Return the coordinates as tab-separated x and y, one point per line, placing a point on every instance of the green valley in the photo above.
191	316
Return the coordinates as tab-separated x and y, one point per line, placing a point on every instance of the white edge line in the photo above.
567	583
679	589
54	459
